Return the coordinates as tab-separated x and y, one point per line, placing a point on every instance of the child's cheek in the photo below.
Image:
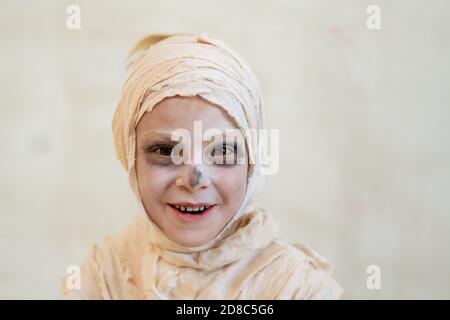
231	179
153	178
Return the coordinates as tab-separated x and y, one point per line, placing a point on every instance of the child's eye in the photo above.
223	149
161	150
226	154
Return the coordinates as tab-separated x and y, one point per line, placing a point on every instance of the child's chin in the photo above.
191	241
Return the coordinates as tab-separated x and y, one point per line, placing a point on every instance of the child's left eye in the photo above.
223	149
226	154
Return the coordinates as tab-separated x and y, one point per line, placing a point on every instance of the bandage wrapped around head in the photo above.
188	65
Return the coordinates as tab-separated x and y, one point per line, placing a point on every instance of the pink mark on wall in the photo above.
340	35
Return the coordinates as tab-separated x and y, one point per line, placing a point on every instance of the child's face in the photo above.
163	184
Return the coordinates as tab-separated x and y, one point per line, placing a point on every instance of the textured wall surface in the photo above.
365	160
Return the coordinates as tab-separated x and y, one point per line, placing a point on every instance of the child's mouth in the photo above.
192	212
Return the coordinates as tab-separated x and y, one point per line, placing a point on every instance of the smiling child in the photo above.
199	234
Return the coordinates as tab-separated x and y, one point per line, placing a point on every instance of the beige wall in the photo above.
365	159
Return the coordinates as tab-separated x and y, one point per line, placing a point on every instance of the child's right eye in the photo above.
160	150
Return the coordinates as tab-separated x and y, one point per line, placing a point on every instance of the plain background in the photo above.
365	160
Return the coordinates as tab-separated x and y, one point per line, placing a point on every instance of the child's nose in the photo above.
193	177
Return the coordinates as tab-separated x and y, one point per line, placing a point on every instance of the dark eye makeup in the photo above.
160	149
221	153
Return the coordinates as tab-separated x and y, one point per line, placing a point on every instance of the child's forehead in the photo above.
216	133
165	126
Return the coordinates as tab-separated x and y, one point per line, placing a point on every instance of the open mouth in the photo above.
192	211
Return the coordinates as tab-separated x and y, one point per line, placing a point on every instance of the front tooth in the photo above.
182	208
189	209
202	208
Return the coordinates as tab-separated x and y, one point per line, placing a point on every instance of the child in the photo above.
198	235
